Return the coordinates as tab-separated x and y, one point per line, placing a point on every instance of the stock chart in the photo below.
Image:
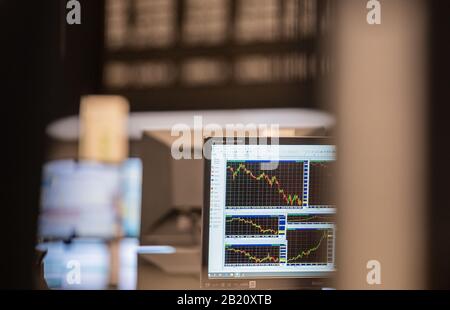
252	225
255	254
247	185
308	246
321	176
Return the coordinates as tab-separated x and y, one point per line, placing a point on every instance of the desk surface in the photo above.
66	129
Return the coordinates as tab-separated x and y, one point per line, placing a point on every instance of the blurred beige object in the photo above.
103	128
380	89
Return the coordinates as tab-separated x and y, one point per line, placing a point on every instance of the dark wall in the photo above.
439	152
27	71
46	65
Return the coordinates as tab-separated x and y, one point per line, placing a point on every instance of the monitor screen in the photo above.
90	199
271	211
85	263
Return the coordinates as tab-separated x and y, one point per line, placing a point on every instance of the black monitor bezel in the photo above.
246	283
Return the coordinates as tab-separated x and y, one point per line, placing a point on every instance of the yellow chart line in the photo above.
254	258
253	224
308	252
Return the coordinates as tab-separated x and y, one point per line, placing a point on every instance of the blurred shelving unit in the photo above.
202	54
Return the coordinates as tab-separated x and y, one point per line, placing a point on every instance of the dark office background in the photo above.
47	66
439	154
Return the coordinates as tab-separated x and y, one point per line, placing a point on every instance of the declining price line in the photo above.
257	226
320	165
288	198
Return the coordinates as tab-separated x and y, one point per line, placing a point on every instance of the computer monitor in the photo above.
268	217
90	199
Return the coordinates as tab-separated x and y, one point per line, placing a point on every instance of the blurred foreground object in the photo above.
103	128
380	93
85	199
94	258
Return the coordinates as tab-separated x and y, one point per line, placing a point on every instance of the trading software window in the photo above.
271	211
